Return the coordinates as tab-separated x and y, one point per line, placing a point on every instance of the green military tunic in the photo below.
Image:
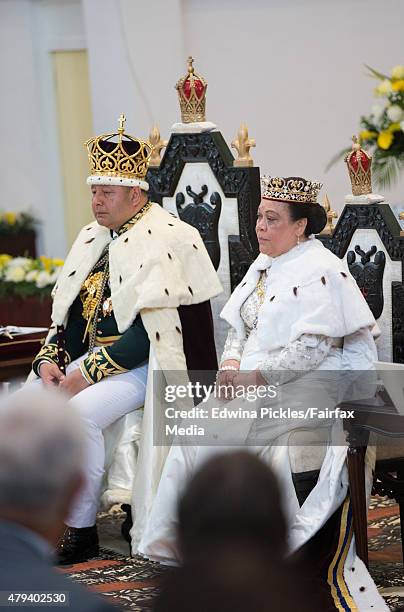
118	352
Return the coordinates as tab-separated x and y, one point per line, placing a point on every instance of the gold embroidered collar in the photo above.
124	228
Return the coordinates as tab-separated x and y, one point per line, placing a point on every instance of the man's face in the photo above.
113	205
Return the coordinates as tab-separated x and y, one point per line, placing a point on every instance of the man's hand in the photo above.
74	383
50	374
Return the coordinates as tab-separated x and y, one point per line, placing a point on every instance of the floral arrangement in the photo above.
13	223
382	131
24	276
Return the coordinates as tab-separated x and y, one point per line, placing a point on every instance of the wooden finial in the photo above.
331	215
157	144
243	144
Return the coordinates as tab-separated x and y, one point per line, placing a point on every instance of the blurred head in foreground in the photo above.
41	454
236	578
234	495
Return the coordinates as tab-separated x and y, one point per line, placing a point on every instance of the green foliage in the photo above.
14	223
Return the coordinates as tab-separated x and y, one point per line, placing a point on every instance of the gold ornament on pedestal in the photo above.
157	143
331	215
192	95
359	165
401	217
243	144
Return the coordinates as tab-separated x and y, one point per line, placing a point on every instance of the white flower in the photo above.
17	262
395	113
377	111
397	72
43	279
32	276
15	274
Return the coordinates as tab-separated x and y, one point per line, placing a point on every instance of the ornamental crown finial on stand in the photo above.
192	95
359	164
191	90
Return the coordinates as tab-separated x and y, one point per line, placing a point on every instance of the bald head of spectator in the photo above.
41	455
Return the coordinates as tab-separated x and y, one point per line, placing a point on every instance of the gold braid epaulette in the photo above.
49	352
98	365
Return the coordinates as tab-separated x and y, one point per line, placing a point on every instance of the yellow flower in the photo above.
398	85
385	139
367	135
46	262
384	88
4	259
58	262
397	72
10	218
394	127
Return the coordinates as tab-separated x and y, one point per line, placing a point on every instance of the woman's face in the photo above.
276	232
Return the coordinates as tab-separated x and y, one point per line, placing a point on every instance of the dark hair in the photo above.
236	577
314	213
234	495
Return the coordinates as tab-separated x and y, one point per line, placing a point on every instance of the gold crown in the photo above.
290	189
192	95
360	169
124	162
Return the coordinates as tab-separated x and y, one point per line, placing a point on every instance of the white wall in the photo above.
292	69
29	150
20	149
135	56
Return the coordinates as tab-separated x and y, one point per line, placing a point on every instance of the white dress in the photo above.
310	352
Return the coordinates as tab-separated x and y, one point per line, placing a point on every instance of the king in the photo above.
132	288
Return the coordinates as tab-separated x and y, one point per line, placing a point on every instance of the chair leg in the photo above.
400	500
356	474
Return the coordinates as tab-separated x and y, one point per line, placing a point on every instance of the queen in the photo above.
297	316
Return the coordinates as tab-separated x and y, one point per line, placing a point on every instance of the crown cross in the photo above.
122	120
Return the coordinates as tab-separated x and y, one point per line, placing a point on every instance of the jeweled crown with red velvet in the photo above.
359	165
192	95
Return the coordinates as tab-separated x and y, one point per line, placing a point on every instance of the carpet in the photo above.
133	582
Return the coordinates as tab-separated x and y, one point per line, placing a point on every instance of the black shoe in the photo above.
127	525
77	545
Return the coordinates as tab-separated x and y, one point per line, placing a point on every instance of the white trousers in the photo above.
99	406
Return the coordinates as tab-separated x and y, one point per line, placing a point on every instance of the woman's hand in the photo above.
225	378
247	379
